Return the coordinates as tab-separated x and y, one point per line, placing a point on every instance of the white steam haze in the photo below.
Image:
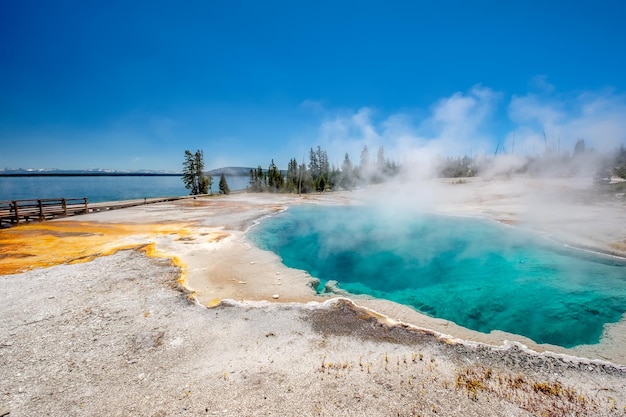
479	123
543	125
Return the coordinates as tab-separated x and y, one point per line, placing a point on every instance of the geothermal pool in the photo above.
477	273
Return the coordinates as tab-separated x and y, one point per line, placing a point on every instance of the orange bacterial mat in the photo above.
41	245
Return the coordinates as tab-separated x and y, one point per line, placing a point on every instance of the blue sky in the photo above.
131	85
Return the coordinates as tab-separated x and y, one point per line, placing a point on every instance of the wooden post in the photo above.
86	208
40	210
17	214
64	203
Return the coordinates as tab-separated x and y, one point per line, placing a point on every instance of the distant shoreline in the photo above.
89	174
100	174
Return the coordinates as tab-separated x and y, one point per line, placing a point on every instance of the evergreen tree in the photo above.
347	173
275	180
392	168
270	176
620	162
319	169
252	181
189	171
205	182
379	173
194	177
314	164
224	189
257	179
334	176
292	176
261	178
321	183
364	169
380	158
324	166
305	182
580	147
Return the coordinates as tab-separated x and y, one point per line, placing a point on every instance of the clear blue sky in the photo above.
132	84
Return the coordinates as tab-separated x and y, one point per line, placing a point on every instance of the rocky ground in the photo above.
118	337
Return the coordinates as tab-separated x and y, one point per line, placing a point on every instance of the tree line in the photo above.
319	175
552	162
196	180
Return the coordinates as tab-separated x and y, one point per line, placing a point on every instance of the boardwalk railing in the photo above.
14	212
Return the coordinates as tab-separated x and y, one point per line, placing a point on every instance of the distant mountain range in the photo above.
231	171
33	172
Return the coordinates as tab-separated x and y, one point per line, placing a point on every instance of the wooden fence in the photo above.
17	211
14	212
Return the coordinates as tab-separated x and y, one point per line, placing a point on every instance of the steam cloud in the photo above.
467	123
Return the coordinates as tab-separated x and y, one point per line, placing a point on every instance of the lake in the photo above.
102	188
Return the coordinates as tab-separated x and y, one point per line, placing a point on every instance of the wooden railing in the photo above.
17	211
14	212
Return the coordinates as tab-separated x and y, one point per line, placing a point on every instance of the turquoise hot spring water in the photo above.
477	273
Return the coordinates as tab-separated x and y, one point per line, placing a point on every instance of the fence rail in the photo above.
17	211
14	212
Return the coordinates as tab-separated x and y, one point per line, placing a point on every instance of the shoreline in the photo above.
443	338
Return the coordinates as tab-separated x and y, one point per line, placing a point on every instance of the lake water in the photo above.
102	188
476	273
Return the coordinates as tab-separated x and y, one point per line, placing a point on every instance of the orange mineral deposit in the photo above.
41	245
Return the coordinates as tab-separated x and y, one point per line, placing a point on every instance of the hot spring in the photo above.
477	273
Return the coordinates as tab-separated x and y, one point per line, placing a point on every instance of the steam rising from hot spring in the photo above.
474	272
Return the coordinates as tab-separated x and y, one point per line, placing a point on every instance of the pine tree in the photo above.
314	164
380	158
334	177
261	179
364	169
224	189
204	182
194	177
271	176
620	162
275	180
189	173
319	169
258	179
321	183
347	173
292	176
305	182
324	166
579	148
253	180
